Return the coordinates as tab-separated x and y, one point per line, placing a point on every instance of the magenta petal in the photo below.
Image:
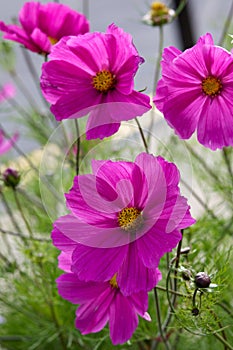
92	316
41	40
70	231
28	16
127	178
97	264
123	319
65	260
215	129
140	302
152	246
61	241
134	276
102	131
76	291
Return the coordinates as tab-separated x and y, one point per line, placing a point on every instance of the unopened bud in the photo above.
11	178
202	280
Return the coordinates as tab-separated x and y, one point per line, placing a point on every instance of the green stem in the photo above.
9	212
161	333
158	66
228	163
180	8
142	136
78	143
17	201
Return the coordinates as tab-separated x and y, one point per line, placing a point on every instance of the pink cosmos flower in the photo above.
94	73
195	92
6	92
7	144
43	25
102	302
123	219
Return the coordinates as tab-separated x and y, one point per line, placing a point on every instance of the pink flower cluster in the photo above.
125	215
43	25
123	218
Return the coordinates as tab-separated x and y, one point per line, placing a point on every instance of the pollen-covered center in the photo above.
52	40
211	86
104	81
130	219
113	281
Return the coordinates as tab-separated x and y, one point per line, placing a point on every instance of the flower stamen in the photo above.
113	281
104	81
130	219
52	40
211	86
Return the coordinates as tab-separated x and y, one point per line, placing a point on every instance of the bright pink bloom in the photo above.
95	73
7	144
195	92
7	91
42	25
102	302
123	219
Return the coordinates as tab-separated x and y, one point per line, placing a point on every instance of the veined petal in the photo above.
133	276
76	291
123	320
92	316
97	264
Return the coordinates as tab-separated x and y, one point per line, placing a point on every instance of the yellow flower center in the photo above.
211	86
104	81
53	41
130	219
158	9
113	281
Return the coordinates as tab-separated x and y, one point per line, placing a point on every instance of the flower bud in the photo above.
195	311
11	178
159	14
202	280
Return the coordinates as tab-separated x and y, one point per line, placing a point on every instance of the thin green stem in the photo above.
161	333
33	73
223	341
23	88
78	143
158	65
142	135
9	212
180	8
156	76
17	234
228	163
17	201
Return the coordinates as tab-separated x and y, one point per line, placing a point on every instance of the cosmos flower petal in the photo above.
134	192
216	129
92	316
79	232
70	77
106	92
133	275
122	313
194	85
152	246
42	25
76	291
97	264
